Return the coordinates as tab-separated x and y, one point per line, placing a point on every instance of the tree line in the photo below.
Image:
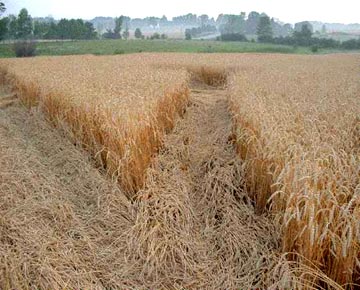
22	26
267	30
302	35
199	31
231	27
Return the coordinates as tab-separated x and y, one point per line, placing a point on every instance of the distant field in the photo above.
108	47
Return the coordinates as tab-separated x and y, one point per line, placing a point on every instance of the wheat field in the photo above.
117	109
297	124
204	149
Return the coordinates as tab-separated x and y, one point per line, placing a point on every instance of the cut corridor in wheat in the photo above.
194	205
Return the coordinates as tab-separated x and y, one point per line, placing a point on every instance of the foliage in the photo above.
41	29
281	29
52	31
233	37
25	48
24	27
201	30
12	27
188	19
264	29
314	48
116	33
71	29
252	23
19	27
313	41
110	34
233	24
303	37
118	25
4	22
2	7
126	34
138	34
351	44
106	47
155	36
300	26
119	51
152	21
323	29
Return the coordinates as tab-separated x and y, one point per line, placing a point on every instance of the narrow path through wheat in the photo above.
193	219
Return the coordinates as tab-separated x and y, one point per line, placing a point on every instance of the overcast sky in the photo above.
345	11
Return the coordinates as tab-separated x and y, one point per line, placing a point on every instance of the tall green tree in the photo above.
72	29
3	22
90	31
126	24
264	29
163	20
116	33
252	22
233	24
62	28
24	27
204	19
188	35
303	37
41	29
118	26
126	33
188	19
52	33
12	27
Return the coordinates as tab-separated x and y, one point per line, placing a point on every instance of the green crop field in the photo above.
108	47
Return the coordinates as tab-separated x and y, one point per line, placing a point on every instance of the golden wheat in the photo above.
117	109
297	123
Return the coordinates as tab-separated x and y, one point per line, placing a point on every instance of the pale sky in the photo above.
345	11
